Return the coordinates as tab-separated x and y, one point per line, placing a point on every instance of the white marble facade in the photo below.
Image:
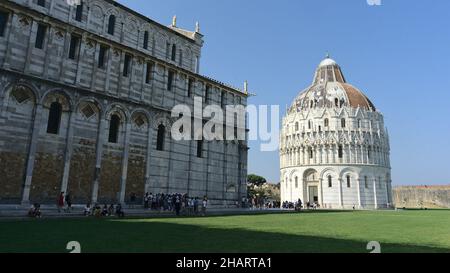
334	146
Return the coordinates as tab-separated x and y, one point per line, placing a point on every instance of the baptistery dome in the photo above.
334	148
330	89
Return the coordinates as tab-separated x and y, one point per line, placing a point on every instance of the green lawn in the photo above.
397	231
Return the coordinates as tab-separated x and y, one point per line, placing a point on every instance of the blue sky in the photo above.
398	54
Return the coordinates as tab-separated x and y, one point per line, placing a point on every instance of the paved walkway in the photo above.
20	212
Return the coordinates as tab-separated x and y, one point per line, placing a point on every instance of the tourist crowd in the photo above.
176	202
298	205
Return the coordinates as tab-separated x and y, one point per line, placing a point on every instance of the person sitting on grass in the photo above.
97	211
87	210
35	211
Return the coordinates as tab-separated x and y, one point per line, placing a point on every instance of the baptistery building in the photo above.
334	148
86	93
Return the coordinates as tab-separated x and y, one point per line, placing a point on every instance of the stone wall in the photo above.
422	196
78	157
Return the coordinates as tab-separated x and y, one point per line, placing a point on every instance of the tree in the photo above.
256	180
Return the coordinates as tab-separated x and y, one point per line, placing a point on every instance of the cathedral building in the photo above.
334	148
86	93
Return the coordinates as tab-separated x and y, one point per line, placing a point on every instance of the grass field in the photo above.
397	231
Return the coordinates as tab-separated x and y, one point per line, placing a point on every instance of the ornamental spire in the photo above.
174	21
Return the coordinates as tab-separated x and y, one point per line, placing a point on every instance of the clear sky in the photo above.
398	54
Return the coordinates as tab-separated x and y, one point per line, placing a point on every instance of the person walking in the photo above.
60	202
196	206
204	205
68	199
177	205
146	199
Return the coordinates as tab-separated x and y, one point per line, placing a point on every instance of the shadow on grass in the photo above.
104	236
248	213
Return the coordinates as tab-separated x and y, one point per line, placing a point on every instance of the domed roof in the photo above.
327	61
330	89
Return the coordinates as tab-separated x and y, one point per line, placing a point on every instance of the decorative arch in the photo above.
57	95
140	119
117	108
311	175
10	87
89	107
97	10
349	171
327	171
107	18
21	94
162	119
295	173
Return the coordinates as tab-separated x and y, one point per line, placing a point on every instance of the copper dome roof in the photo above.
330	89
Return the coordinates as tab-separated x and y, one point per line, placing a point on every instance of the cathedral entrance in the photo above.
313	194
311	190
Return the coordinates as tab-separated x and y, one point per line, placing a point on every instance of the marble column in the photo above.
101	138
126	149
68	152
375	198
148	160
358	188
32	154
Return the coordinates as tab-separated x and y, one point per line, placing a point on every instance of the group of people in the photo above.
176	202
64	199
258	203
298	205
105	211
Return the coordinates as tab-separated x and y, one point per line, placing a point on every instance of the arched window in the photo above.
340	151
54	118
114	125
311	104
349	184
296	182
145	46
366	182
160	138
111	24
174	52
343	123
330	181
311	153
79	11
336	102
296	126
369	150
326	122
309	124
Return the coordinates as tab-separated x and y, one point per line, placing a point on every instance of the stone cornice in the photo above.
59	23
